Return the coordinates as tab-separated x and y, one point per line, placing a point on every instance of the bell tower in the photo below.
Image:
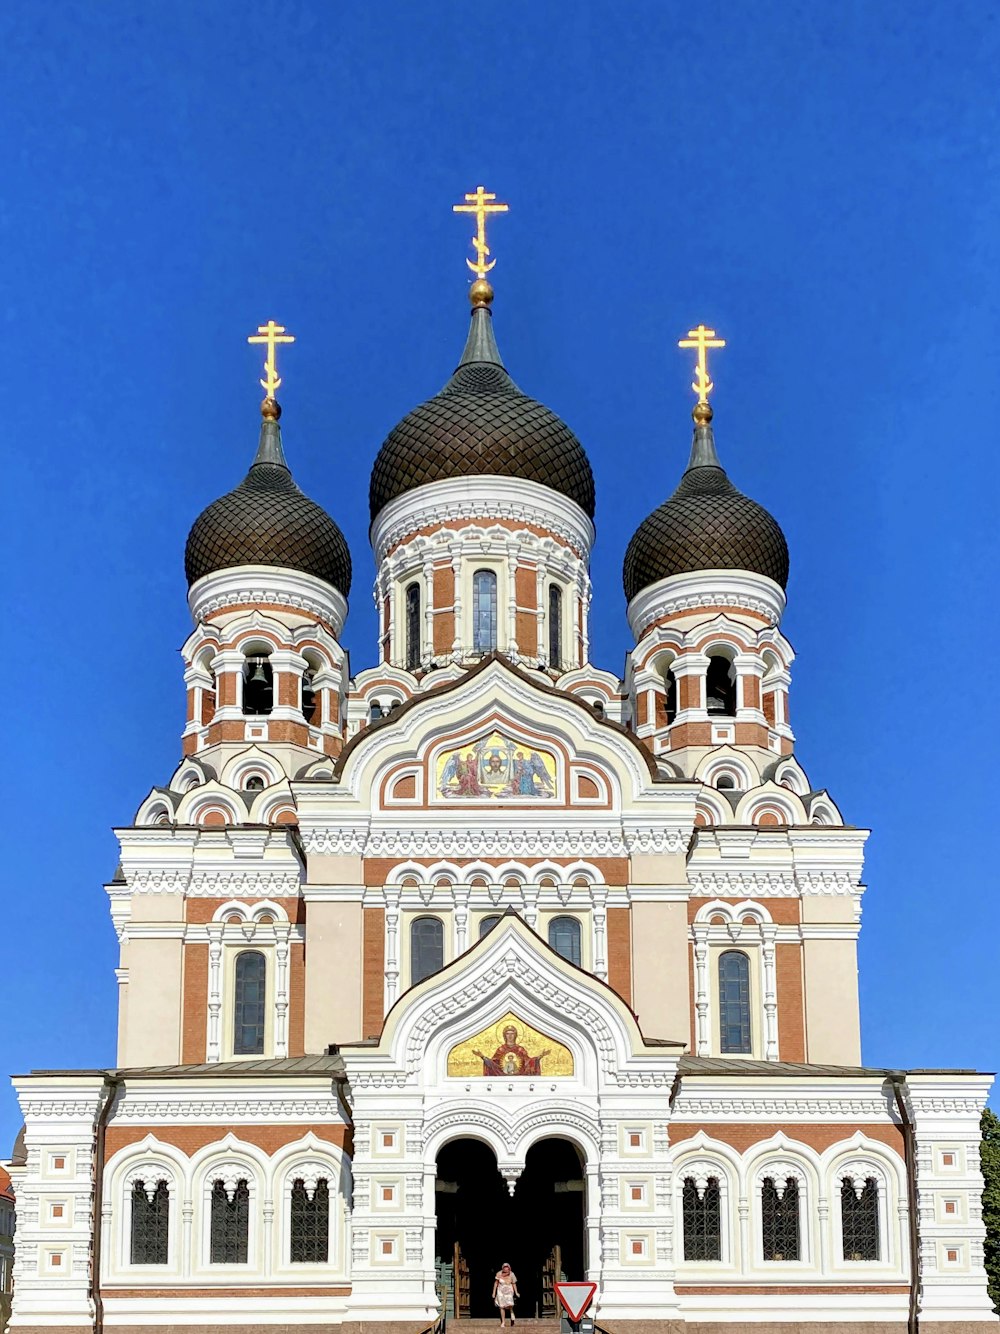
705	578
268	577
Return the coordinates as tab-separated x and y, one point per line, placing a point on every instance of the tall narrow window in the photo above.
258	686
859	1219
702	1221
779	1219
230	1224
734	1003
487	924
426	948
564	937
671	701
484	611
413	626
150	1224
555	627
720	687
310	1223
248	1008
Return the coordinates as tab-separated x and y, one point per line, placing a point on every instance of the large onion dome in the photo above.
267	520
705	525
481	424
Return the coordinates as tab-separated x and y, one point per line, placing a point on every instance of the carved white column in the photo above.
599	899
512	602
460	898
768	932
529	901
592	1221
187	1227
703	1036
582	636
456	569
428	652
378	592
391	893
747	667
540	574
268	1257
213	1041
282	931
696	665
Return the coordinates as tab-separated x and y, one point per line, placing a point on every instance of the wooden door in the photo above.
463	1297
551	1275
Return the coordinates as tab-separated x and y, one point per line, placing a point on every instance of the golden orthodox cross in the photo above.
480	204
272	334
702	339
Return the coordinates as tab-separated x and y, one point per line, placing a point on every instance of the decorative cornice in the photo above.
706	590
267	585
463	499
175	1109
768	1108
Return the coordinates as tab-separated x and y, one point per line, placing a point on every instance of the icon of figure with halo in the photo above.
510	1058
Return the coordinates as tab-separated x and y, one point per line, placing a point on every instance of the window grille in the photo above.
230	1224
564	937
555	627
702	1221
426	948
150	1224
413	626
779	1217
310	1223
734	1002
859	1220
248	1009
487	924
484	611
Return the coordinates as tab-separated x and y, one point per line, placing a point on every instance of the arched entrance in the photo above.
540	1230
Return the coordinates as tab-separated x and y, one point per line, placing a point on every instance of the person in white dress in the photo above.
504	1292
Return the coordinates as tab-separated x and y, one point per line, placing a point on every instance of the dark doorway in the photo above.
479	1225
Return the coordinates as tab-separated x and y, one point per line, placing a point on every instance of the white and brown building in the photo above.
486	953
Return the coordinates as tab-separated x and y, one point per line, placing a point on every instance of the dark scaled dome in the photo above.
481	424
267	520
705	525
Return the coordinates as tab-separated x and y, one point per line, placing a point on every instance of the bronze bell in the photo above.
257	676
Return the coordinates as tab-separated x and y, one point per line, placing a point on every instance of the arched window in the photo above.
150	1223
413	626
230	1224
487	924
248	1003
734	1003
564	937
555	627
702	1221
310	1223
426	948
670	680
258	686
859	1219
484	611
779	1219
720	687
310	699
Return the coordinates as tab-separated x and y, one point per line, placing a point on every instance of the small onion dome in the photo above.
267	520
705	525
480	424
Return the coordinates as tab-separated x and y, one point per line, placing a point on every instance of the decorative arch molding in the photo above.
727	759
250	912
769	796
497	695
734	913
787	1157
252	761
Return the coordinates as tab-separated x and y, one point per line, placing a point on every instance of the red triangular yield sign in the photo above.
575	1297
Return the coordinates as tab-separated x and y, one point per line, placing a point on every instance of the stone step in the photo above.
485	1325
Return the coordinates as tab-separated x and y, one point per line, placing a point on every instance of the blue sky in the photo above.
819	182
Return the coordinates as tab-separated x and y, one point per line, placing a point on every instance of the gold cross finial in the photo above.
481	203
702	339
272	334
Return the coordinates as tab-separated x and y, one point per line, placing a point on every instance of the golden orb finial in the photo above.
270	409
481	294
702	414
